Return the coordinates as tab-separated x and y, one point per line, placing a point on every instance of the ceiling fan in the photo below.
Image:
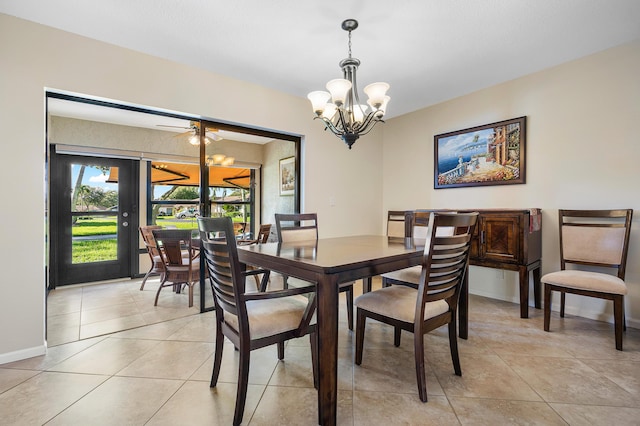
210	135
194	131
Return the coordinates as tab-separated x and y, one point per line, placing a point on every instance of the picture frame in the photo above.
287	176
491	154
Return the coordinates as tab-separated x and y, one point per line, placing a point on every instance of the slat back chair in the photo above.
181	264
296	227
300	227
419	226
157	266
435	302
250	319
263	237
591	239
398	224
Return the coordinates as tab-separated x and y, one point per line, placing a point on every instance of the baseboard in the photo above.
23	354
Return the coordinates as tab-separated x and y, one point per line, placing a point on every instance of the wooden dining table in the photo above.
329	262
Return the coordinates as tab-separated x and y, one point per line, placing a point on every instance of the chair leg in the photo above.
158	293
547	306
562	299
144	280
453	345
361	321
217	357
243	381
350	307
385	282
191	284
618	318
280	351
313	337
397	333
418	349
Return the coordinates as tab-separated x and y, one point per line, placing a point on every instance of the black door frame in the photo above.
62	272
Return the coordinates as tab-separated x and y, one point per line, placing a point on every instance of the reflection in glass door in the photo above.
94	218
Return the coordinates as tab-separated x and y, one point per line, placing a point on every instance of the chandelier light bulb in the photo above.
329	111
339	88
376	93
319	101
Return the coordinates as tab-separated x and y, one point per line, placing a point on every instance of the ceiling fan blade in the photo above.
179	135
175	127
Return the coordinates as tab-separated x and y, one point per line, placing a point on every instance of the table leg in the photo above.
463	308
523	273
366	285
327	329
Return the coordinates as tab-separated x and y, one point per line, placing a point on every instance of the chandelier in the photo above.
345	115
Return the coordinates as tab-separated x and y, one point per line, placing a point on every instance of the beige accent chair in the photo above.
250	319
592	239
302	227
434	302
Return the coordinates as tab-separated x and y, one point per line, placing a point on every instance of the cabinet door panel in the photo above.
500	240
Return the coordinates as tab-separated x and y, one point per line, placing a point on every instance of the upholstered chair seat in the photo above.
586	280
399	302
272	316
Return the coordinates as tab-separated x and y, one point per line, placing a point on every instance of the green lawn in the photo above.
94	251
100	250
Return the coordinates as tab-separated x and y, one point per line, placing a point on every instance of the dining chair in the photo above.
399	223
595	240
157	266
434	303
250	319
181	261
419	224
304	227
262	237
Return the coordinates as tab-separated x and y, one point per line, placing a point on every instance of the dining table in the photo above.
329	262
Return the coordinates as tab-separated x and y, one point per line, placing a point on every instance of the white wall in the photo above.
582	151
35	57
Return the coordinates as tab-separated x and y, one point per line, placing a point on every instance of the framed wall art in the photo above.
288	176
492	154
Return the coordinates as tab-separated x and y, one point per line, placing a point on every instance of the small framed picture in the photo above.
492	154
288	176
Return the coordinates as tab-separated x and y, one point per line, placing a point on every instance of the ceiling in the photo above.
429	51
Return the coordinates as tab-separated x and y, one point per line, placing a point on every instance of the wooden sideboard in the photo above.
508	239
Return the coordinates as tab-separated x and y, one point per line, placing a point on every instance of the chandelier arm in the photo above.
370	128
329	125
363	127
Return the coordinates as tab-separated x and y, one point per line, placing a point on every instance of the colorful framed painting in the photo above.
288	176
492	154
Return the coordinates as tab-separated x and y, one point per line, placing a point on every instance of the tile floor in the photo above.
80	312
513	373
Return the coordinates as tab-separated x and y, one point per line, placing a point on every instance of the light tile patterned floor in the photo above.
513	373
